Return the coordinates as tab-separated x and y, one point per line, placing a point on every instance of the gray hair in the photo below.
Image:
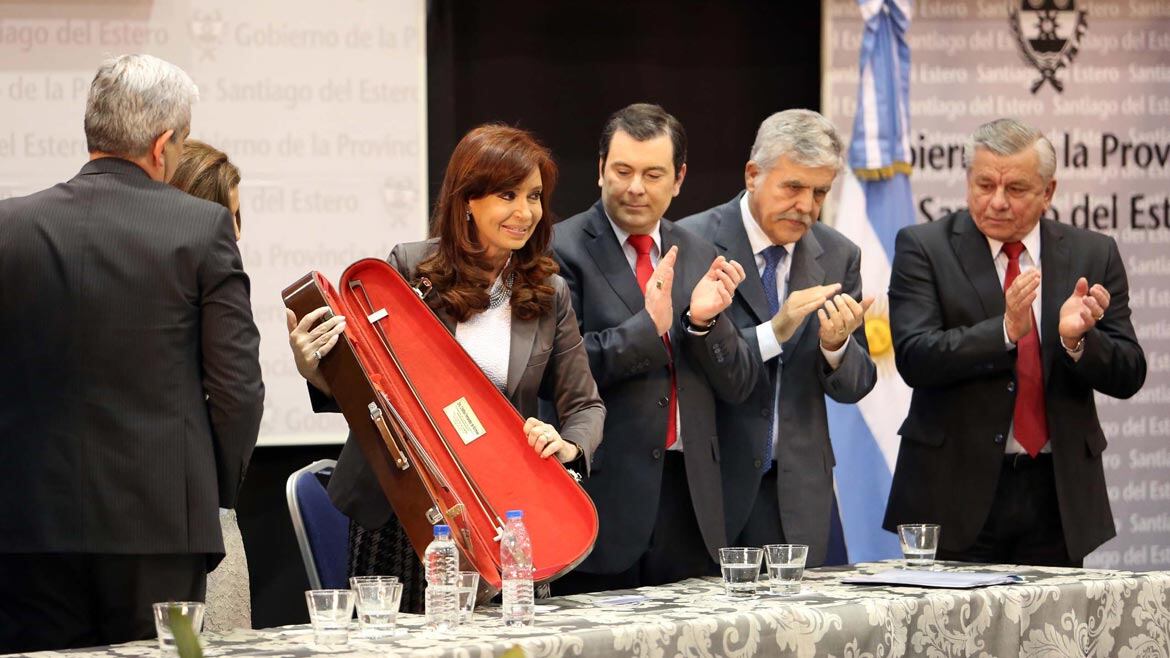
806	137
1009	137
133	100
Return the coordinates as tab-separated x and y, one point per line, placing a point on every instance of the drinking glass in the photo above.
377	601
330	611
785	567
919	543
468	586
741	570
168	612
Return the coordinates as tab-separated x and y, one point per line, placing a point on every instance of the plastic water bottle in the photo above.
441	562
516	562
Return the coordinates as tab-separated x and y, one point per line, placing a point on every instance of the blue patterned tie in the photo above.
773	256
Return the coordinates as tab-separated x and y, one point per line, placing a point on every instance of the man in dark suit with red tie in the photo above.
130	391
649	298
1005	325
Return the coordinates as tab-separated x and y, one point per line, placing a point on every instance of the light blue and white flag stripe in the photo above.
875	202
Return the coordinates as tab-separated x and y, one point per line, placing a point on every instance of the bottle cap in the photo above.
515	514
442	530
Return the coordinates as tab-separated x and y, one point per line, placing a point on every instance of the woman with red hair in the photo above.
496	288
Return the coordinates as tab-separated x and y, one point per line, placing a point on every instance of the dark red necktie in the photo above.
1029	421
643	269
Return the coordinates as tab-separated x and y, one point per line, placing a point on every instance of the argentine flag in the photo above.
875	202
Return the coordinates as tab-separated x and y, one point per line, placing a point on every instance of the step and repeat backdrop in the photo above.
1095	76
321	105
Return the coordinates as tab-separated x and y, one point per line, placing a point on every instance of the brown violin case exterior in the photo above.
446	445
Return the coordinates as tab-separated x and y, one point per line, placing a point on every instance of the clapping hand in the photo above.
658	303
1083	309
1018	298
714	292
798	306
840	317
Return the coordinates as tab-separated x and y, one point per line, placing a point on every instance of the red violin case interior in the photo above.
425	406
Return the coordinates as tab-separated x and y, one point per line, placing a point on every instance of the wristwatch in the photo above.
694	326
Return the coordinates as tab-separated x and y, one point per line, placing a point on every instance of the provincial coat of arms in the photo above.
207	30
1049	34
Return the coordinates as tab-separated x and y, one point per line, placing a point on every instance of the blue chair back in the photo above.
322	530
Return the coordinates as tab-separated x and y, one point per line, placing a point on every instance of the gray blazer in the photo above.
804	453
630	361
130	390
546	360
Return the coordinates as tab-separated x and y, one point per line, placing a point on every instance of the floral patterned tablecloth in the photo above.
1054	612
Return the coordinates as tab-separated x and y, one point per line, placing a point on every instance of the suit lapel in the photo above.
975	257
603	247
523	339
731	238
1055	265
805	272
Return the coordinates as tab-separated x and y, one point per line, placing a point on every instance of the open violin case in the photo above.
446	445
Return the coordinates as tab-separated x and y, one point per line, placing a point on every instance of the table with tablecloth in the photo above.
1053	612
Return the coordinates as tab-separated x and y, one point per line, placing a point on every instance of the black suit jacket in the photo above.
804	453
546	359
629	361
946	313
130	390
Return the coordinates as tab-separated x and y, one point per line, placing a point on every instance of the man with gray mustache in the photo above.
777	461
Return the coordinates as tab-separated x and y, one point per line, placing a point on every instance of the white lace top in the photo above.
487	337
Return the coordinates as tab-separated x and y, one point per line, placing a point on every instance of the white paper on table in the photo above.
944	579
628	599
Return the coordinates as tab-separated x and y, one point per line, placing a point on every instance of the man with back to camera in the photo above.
649	297
777	458
1005	324
130	394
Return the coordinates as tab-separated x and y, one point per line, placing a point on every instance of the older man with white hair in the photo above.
130	390
1005	324
777	461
